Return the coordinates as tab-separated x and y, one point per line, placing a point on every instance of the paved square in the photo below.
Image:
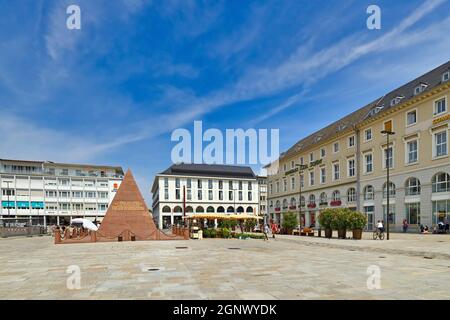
289	267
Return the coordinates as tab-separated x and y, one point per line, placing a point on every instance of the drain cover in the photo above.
234	248
382	257
428	257
153	269
181	247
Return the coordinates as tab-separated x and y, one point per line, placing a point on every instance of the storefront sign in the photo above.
128	206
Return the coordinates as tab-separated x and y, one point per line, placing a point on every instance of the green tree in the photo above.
290	220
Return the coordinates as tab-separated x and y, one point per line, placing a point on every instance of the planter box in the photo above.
342	233
357	234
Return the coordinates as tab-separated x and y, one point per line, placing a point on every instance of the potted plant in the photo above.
289	222
357	221
325	219
340	222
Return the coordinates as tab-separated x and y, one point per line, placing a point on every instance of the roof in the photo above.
91	166
431	79
209	170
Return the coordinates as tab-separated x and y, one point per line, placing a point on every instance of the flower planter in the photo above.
328	233
342	233
357	234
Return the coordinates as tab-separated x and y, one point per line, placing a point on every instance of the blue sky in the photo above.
112	92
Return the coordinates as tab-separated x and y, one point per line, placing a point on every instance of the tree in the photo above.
290	221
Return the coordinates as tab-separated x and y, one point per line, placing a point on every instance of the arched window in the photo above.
312	199
369	193
336	196
412	187
285	204
230	209
177	209
240	209
441	182
221	209
166	209
189	209
249	210
199	209
210	209
293	202
302	201
351	195
323	199
277	204
391	190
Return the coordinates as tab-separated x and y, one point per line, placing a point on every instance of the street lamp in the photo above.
301	167
387	133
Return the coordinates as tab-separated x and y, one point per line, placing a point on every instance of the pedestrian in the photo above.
405	225
446	226
274	229
266	232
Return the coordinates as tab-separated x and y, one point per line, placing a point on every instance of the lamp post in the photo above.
301	167
388	165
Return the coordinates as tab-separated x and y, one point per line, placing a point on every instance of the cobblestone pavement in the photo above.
289	267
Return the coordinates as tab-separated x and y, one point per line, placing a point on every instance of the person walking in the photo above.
405	225
266	232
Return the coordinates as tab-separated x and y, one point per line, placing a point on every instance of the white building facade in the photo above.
54	193
184	189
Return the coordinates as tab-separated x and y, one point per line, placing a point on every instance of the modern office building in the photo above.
49	193
184	189
345	163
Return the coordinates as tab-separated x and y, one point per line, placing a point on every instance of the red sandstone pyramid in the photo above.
128	217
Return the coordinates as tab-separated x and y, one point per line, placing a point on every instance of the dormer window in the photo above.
375	110
420	88
342	126
446	76
396	100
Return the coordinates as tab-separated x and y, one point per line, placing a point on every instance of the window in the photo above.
284	185
50	194
199	183
411	118
199	194
369	193
368	163
391	190
336	147
278	186
249	186
284	167
189	194
177	194
66	194
396	100
230	185
79	194
240	185
351	141
440	106
166	182
240	195
446	76
188	183
368	134
311	178
301	160
292	183
323	175
388	158
210	184
166	194
336	173
411	149
441	182
210	194
336	195
230	195
103	195
311	157
351	195
420	88
292	165
302	181
323	199
440	142
10	192
351	167
249	196
391	213
412	187
413	213
322	152
312	199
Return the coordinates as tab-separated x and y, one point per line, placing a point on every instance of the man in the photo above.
380	226
266	232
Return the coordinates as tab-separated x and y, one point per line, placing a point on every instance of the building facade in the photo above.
54	193
262	187
345	164
184	189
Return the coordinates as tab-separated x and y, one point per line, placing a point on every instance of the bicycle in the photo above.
377	234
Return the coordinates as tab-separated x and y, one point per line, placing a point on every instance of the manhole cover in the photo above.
428	257
153	269
181	247
234	248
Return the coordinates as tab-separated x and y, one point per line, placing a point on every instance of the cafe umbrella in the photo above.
87	224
